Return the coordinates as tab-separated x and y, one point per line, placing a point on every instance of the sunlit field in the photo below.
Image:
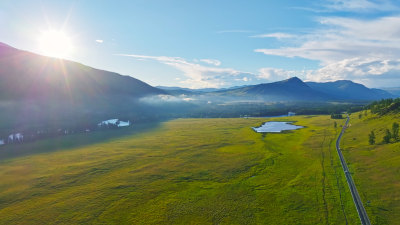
200	112
375	167
185	171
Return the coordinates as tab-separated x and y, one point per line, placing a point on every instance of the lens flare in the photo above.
55	43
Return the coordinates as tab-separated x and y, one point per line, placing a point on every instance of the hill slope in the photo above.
290	89
25	75
375	167
293	89
39	91
348	90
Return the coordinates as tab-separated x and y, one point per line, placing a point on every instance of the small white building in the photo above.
291	113
124	124
15	137
117	122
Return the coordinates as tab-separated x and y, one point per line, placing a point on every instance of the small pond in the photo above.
276	127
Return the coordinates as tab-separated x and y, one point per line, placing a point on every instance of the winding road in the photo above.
354	193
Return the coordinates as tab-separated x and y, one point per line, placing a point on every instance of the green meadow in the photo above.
375	168
189	171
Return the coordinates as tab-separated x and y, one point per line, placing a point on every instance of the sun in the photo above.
55	43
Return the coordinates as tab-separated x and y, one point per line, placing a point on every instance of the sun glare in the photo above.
55	44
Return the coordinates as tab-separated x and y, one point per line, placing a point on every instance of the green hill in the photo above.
375	167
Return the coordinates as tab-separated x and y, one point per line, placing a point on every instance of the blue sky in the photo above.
219	43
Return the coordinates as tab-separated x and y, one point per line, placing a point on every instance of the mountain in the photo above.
39	91
179	90
290	89
25	75
188	91
348	90
393	90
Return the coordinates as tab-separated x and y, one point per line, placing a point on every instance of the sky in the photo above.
216	43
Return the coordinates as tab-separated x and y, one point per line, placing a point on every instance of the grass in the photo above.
68	142
186	171
375	167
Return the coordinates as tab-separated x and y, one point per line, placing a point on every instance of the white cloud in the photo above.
159	99
357	69
211	61
274	74
360	5
99	41
198	76
372	72
348	49
274	35
357	6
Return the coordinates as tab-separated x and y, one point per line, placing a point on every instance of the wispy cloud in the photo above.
360	5
198	76
274	74
355	6
345	38
364	70
99	41
159	99
349	48
273	35
214	62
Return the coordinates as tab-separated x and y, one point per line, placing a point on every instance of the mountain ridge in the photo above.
28	75
296	89
349	90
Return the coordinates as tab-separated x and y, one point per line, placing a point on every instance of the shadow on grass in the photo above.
61	143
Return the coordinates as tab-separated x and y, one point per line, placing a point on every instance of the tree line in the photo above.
390	135
385	106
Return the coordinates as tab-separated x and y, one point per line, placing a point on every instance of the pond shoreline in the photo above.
276	127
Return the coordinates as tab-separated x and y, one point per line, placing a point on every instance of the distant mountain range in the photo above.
39	91
393	90
294	89
290	89
348	90
25	75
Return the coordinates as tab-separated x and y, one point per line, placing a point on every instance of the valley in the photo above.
184	171
182	156
200	112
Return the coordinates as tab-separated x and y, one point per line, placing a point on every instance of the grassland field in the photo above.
189	171
375	168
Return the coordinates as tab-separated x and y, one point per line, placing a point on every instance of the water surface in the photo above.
276	127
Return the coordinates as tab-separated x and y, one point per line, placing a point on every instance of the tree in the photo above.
387	137
395	131
371	138
359	116
336	116
334	124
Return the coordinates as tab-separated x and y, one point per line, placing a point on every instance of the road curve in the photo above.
354	193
